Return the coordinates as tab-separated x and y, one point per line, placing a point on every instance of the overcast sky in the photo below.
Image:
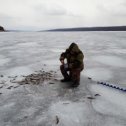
48	14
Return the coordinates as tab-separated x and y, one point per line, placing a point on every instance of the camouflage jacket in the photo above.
74	57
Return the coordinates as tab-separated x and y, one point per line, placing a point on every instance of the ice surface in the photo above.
19	71
4	60
58	50
118	51
56	104
28	44
98	74
70	113
111	60
111	103
51	62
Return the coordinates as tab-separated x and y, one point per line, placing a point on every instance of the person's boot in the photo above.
75	84
65	80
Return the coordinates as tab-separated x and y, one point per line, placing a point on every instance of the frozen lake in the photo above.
23	53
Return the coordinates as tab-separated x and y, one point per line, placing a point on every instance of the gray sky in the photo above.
48	14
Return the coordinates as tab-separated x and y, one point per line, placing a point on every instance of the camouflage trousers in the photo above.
72	74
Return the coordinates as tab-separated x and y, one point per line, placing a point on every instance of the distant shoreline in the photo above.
107	28
77	29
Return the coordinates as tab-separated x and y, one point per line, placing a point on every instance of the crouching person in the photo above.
72	69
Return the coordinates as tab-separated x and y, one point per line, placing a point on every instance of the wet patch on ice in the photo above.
98	74
111	60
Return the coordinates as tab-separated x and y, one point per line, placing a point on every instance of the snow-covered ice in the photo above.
111	60
19	71
3	60
100	74
56	104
